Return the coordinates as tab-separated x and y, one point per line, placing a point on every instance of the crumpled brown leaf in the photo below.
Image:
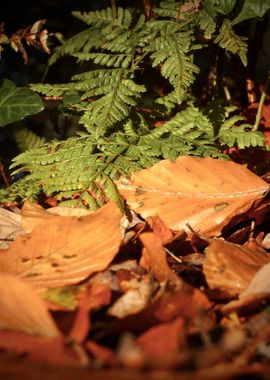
204	193
65	250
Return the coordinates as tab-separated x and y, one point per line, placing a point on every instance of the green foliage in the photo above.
17	102
228	40
120	103
27	139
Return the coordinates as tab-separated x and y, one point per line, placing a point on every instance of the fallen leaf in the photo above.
22	309
134	300
65	250
102	354
10	227
204	193
162	343
230	267
154	258
50	350
160	229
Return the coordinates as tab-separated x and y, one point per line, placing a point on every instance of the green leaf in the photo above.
17	102
225	6
252	8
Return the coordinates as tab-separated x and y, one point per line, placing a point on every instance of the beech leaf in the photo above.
22	309
65	250
230	267
203	193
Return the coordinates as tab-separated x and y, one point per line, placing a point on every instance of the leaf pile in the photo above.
180	282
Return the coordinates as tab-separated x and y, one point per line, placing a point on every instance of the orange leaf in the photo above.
161	343
65	250
230	267
202	192
50	350
22	309
154	258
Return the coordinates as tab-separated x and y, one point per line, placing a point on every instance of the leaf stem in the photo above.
261	103
114	9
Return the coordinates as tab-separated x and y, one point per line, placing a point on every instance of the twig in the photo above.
261	103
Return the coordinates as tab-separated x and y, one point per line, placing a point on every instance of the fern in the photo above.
228	40
119	106
26	139
84	167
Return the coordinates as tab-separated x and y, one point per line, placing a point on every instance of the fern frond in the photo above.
105	59
207	17
56	90
171	49
83	41
114	105
231	42
27	139
103	17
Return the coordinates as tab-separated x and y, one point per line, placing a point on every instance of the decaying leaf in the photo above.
230	267
22	309
65	250
204	193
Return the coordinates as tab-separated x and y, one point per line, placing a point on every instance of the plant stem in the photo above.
114	9
261	103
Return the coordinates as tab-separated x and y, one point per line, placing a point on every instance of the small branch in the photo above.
261	103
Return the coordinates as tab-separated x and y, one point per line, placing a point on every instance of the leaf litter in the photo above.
181	283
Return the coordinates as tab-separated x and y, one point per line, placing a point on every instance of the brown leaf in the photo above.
162	343
103	354
10	227
65	250
134	300
160	229
22	309
230	267
154	258
204	193
51	350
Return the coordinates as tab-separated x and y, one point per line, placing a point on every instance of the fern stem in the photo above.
114	8
261	103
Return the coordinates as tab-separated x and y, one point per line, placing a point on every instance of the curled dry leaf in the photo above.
65	250
201	192
154	258
230	267
22	309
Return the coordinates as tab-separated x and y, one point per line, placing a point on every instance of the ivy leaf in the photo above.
17	102
252	8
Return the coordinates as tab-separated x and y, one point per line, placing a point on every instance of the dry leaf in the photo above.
162	343
230	267
65	250
134	300
10	227
22	309
53	350
154	258
204	193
